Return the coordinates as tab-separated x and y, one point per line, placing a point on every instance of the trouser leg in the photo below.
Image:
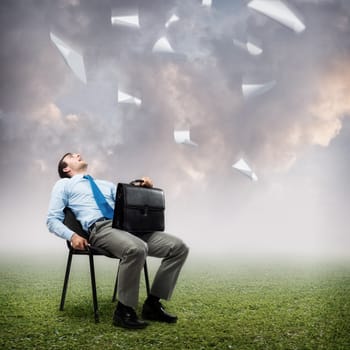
174	253
131	250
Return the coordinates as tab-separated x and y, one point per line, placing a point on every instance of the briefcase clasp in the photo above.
144	210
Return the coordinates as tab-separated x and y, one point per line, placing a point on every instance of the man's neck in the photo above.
79	172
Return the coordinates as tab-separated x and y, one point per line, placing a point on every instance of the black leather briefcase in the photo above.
139	209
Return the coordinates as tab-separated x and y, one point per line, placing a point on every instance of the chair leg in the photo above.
93	286
114	297
66	278
146	278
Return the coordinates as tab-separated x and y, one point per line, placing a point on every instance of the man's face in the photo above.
75	163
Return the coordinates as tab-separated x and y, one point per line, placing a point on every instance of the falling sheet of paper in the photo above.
74	60
162	45
207	3
172	19
183	137
253	90
244	168
278	11
127	21
126	98
249	47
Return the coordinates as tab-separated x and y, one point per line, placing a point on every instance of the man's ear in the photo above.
66	169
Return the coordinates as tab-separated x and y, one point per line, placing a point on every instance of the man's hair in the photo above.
61	165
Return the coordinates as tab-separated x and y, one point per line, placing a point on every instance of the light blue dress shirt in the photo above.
76	193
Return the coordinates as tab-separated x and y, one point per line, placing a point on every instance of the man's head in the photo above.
71	164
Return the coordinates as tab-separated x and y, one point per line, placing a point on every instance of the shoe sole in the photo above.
120	324
151	318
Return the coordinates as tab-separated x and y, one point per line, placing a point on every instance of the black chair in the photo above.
71	222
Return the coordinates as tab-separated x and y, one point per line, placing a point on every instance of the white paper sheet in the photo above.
127	21
207	3
278	11
123	97
249	47
74	60
183	137
162	45
174	18
242	166
253	90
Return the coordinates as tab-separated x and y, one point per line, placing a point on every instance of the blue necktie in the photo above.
101	202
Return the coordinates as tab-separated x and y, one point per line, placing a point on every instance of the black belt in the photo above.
92	226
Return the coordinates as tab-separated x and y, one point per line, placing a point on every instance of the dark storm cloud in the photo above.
46	111
198	90
201	91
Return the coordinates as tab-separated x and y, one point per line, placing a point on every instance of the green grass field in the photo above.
221	304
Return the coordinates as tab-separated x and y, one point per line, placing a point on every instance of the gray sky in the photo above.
295	136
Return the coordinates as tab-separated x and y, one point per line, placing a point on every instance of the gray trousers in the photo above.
132	251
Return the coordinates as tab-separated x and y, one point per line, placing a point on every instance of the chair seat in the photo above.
90	250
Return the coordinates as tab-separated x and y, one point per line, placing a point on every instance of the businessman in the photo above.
75	190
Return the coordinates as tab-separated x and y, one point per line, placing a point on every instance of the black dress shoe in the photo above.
155	312
126	318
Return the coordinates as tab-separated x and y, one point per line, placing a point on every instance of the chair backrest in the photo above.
71	222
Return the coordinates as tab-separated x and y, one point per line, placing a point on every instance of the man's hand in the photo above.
78	242
147	182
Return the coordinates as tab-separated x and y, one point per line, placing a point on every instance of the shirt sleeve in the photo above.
55	216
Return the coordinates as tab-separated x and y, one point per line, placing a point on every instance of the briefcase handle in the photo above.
137	181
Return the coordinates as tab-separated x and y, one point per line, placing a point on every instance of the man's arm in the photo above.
55	216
